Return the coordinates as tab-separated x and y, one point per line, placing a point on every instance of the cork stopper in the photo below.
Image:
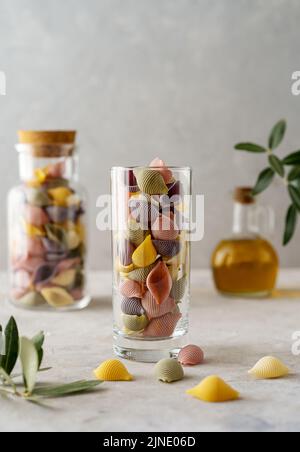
47	144
244	195
47	137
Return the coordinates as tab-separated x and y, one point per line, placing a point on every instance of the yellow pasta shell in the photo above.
213	390
269	368
145	254
112	370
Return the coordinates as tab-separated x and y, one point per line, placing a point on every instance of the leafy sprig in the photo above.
30	353
288	169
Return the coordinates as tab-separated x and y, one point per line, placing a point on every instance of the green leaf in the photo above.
7	379
264	181
38	341
294	174
277	165
290	224
8	361
30	363
295	196
277	134
292	159
250	147
66	389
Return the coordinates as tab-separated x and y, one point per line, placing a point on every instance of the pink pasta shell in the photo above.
164	228
131	289
153	309
159	282
191	355
162	326
161	167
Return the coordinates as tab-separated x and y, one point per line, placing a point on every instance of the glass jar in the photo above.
246	264
46	221
151	261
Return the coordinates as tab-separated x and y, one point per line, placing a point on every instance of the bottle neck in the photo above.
244	219
59	168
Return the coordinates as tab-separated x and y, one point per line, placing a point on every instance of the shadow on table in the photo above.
286	293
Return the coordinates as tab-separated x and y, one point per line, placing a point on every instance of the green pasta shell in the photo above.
168	370
178	289
151	182
56	234
31	299
135	234
37	197
140	274
135	322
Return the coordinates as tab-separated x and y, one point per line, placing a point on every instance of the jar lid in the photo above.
244	195
47	144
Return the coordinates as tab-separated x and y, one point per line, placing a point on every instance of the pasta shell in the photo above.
35	216
33	231
213	390
125	251
145	254
167	248
135	233
31	299
57	297
168	370
29	264
72	240
37	197
56	234
162	326
21	279
17	293
56	183
112	370
53	247
175	189
159	282
67	264
135	322
40	175
178	289
191	355
124	270
56	171
161	167
60	195
144	209
131	289
150	181
140	274
132	306
65	278
55	257
176	271
59	214
164	228
153	309
33	246
269	368
43	274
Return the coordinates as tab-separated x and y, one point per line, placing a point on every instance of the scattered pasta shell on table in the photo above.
135	322
168	370
57	297
269	368
145	254
150	181
112	370
159	282
162	326
214	390
153	309
191	355
131	289
161	167
132	306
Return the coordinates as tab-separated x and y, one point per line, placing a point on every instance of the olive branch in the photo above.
288	169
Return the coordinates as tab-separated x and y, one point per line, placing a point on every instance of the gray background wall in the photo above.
183	79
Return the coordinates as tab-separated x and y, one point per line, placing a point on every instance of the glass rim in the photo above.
129	168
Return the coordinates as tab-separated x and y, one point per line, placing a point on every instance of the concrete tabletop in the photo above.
234	334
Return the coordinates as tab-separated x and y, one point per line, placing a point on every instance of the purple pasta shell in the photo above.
55	257
175	188
59	214
53	247
132	306
43	274
167	248
125	251
144	211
